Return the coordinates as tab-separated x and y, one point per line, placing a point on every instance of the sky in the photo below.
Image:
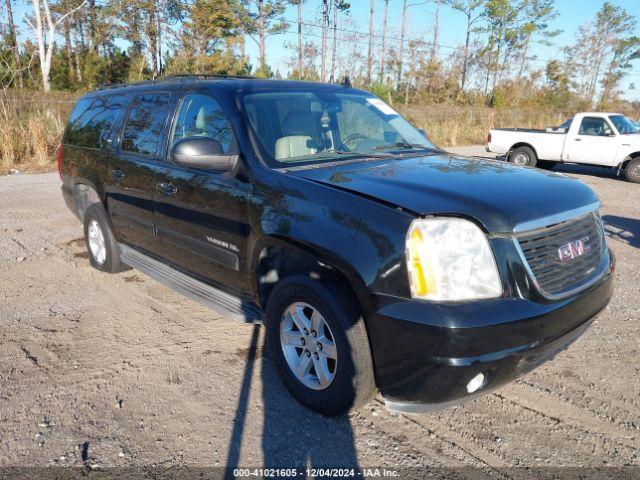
572	14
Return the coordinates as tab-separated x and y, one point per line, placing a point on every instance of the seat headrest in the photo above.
201	119
299	123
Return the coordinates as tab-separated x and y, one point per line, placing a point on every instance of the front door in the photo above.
201	215
594	143
132	170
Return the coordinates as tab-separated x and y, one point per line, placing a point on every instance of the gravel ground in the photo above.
118	370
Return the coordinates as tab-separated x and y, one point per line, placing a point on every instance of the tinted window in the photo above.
144	124
200	116
594	126
92	121
81	106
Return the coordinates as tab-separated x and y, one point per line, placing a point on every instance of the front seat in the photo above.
300	136
200	127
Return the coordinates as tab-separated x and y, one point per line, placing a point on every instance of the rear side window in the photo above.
81	107
144	124
92	121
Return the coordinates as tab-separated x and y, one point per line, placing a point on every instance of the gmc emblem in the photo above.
574	249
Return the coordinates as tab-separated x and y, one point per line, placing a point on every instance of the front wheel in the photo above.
523	156
320	346
632	170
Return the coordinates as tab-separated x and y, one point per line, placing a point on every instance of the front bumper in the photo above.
426	354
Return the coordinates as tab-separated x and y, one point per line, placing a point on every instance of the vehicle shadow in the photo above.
611	173
292	436
623	229
572	168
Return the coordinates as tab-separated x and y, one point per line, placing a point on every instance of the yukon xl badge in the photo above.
574	249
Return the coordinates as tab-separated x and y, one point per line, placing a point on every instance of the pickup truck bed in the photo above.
530	130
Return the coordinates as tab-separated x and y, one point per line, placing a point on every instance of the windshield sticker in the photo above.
383	107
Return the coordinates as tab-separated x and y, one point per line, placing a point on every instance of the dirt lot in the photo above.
111	370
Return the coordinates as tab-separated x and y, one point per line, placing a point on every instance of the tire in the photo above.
104	252
632	170
353	383
545	164
523	156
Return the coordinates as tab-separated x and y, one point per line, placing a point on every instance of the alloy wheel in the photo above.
308	346
97	245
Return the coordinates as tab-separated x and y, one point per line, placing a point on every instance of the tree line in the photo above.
79	44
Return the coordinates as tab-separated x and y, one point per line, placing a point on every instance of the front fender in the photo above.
365	240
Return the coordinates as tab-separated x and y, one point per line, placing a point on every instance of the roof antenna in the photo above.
346	82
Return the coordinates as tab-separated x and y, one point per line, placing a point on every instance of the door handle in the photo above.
167	188
117	174
578	139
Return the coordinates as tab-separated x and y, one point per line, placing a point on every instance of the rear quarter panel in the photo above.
85	166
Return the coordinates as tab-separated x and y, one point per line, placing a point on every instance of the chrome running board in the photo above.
217	300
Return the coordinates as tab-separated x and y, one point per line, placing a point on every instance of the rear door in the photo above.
132	170
201	215
595	142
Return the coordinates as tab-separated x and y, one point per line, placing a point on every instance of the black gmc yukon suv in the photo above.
376	261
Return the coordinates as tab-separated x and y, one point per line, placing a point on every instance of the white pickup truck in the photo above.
591	138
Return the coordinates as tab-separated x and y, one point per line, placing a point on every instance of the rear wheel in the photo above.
523	156
320	346
104	252
632	170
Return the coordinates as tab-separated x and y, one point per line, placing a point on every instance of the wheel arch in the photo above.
276	258
623	164
85	195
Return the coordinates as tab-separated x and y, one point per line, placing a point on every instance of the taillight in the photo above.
489	138
60	161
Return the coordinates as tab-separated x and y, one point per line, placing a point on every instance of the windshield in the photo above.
310	127
624	125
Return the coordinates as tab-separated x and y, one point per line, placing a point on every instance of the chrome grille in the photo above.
564	256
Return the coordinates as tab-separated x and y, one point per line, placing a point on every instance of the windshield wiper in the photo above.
404	145
363	154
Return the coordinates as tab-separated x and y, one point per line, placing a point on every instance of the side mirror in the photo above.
203	152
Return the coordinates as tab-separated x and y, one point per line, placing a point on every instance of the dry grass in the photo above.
450	126
31	125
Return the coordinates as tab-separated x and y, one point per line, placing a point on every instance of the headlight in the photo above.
449	259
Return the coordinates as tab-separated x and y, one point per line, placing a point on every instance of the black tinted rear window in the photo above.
92	120
144	125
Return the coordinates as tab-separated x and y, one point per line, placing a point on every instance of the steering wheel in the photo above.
353	140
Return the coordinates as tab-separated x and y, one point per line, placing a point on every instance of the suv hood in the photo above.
498	194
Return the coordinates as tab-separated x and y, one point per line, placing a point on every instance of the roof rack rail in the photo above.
206	75
105	86
170	78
